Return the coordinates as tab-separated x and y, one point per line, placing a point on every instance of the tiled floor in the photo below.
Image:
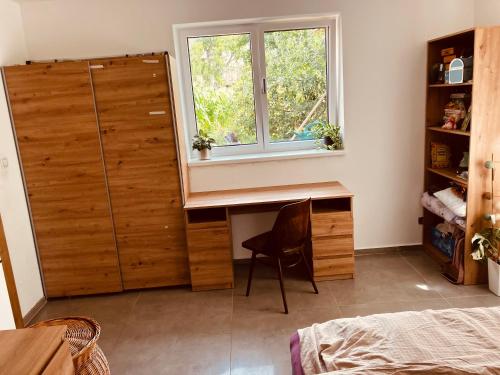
176	331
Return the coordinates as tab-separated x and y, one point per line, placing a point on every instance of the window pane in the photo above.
221	73
296	82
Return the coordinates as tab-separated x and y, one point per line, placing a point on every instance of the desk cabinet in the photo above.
210	249
332	239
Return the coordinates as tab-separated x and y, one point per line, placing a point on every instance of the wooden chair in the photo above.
289	237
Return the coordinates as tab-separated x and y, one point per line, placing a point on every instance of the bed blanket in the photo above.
452	341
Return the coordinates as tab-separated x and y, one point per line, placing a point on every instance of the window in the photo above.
259	86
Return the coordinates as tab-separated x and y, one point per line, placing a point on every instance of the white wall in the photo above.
13	206
384	60
6	316
487	12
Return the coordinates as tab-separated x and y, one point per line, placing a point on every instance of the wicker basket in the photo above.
82	335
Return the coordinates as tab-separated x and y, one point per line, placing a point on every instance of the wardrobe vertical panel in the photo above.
136	121
58	140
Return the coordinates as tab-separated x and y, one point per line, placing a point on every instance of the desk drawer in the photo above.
332	246
210	258
331	223
334	268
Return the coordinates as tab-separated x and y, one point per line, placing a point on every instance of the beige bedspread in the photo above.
453	341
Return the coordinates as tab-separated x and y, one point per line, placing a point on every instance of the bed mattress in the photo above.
452	341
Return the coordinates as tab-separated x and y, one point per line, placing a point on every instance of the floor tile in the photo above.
389	307
177	331
475	301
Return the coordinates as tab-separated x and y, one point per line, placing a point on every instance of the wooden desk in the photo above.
208	229
35	351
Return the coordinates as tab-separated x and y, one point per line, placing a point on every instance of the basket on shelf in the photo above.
82	335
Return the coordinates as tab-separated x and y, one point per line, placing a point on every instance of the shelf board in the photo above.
448	173
441	130
451	84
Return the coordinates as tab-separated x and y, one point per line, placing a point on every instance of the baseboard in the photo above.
363	251
34	311
389	249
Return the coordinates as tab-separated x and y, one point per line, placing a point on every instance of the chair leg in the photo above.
282	286
250	275
309	272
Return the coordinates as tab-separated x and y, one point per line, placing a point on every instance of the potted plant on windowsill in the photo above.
203	143
328	136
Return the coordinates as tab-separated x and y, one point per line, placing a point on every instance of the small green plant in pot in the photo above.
485	248
203	143
485	243
328	135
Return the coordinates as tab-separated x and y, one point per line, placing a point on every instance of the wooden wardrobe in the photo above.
97	147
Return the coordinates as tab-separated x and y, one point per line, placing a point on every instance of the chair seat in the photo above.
259	244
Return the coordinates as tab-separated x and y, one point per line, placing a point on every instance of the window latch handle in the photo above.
264	86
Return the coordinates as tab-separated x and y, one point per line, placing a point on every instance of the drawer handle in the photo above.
100	66
150	61
156	113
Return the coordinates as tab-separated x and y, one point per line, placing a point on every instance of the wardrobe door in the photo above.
136	121
58	139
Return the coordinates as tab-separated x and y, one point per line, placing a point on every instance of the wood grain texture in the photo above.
273	194
9	279
61	363
332	246
332	243
57	135
136	122
334	268
29	351
332	228
485	139
481	141
180	130
331	223
210	255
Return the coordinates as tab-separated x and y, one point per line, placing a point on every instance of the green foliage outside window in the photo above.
223	88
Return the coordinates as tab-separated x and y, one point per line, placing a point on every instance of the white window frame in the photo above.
256	28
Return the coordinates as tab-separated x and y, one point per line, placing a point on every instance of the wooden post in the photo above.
9	279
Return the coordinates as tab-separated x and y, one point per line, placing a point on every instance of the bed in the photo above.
452	341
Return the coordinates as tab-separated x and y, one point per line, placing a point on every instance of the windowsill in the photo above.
262	157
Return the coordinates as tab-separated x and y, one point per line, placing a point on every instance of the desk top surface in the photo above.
27	351
272	194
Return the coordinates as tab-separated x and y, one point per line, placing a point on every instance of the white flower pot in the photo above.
205	154
494	276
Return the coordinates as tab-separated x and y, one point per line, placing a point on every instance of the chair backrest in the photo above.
291	227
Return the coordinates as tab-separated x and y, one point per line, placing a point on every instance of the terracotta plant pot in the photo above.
494	276
205	154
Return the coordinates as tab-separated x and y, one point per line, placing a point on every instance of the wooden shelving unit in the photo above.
481	140
449	131
450	85
449	174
